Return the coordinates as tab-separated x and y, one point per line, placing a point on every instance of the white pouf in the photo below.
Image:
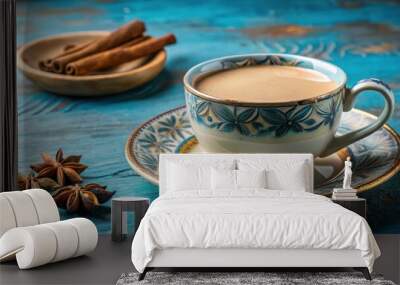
37	245
31	233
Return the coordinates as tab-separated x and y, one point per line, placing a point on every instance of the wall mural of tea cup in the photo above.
306	123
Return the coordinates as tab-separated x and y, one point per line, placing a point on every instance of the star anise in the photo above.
81	198
64	170
30	181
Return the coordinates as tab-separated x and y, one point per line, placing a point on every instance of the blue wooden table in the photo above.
363	37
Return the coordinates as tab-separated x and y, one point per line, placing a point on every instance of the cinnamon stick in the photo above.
135	41
73	48
42	66
47	64
116	38
69	47
117	56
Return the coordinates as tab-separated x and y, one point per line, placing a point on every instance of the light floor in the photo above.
110	260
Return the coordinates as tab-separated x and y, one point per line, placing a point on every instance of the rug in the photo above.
244	278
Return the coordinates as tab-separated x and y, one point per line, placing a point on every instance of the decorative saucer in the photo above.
375	158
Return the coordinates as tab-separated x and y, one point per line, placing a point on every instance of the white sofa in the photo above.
31	231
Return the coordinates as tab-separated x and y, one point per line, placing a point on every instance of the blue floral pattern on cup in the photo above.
265	121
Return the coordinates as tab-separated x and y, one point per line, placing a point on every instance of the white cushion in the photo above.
183	178
251	178
293	180
193	176
230	180
223	179
281	175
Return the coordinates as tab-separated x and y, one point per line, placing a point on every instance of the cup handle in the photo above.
339	142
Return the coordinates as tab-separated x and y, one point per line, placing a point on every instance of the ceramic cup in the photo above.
307	126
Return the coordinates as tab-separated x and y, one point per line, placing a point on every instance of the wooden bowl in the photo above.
124	77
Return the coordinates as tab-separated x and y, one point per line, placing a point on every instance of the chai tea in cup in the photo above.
266	83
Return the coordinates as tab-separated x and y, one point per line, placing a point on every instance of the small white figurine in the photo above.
347	174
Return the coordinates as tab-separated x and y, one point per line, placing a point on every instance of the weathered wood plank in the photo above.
364	39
